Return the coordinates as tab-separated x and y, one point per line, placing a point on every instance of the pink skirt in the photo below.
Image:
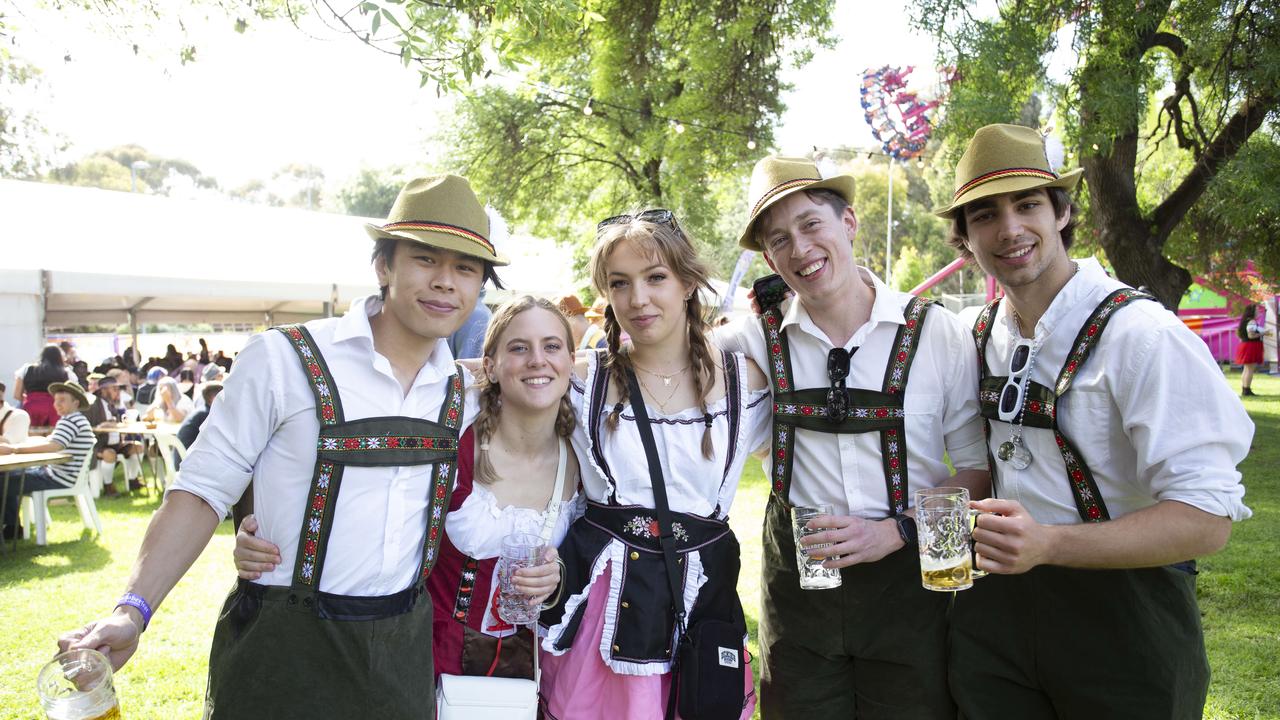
579	685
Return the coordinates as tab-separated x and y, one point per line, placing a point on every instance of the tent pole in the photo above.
133	337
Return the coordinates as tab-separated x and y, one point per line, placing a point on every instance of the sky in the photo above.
252	103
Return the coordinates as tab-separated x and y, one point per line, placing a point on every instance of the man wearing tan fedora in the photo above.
871	388
1116	441
73	435
348	429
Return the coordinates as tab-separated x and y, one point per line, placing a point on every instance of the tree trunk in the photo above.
1134	249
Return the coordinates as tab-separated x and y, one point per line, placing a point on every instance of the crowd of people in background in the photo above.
171	389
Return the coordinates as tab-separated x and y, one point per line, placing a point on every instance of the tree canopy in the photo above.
1170	107
617	103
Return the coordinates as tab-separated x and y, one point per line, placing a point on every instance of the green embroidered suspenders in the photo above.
369	442
869	410
1041	407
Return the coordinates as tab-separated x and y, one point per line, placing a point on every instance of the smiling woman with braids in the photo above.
612	635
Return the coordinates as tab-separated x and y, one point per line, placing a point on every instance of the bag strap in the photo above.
552	513
665	536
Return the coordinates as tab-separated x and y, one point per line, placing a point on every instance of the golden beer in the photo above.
947	574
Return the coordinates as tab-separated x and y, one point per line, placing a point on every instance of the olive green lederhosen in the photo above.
1066	643
874	647
294	652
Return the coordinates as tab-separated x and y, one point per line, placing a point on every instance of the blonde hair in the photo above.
486	421
668	244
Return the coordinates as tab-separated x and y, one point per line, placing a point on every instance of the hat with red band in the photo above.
774	178
441	211
1003	159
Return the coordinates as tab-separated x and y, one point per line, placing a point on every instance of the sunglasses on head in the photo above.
657	216
1016	388
837	371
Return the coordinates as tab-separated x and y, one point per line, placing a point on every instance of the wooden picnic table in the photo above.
19	461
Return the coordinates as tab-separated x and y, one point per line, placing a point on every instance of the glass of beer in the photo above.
77	685
519	550
946	551
812	575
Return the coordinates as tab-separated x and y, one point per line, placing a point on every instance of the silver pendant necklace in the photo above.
1014	450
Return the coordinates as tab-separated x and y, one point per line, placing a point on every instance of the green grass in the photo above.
46	591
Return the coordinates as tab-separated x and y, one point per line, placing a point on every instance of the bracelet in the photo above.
138	603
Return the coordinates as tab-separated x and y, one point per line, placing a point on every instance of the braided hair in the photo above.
486	422
668	244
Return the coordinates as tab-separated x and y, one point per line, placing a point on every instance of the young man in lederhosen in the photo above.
1116	441
370	404
871	388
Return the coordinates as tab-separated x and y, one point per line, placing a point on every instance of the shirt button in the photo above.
626	604
635	555
617	649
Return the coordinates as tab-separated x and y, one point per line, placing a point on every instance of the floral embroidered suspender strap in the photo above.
446	470
869	410
368	442
1041	409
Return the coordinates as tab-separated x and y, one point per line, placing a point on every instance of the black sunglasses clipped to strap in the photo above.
837	372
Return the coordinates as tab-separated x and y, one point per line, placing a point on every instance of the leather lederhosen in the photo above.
337	655
880	619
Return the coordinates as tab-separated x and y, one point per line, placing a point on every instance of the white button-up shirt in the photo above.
263	427
847	470
1149	410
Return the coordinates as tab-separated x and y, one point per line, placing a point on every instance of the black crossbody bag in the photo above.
707	673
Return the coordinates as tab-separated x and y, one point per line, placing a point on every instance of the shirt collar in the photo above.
887	308
355	324
1080	288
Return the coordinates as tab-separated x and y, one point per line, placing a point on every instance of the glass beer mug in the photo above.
945	538
78	685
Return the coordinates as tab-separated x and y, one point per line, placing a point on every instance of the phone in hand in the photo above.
769	291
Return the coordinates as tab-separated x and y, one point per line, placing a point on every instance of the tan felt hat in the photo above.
441	211
72	387
774	178
1002	159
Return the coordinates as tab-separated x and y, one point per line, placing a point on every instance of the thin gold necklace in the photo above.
666	379
662	404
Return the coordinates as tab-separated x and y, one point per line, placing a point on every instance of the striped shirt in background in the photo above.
75	435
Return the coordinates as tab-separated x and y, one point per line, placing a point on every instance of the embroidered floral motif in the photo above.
390	442
450	418
874	411
647	527
906	344
315	520
319	381
467	586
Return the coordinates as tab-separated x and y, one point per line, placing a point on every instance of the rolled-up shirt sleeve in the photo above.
1188	429
241	421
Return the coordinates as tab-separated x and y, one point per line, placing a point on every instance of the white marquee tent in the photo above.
74	255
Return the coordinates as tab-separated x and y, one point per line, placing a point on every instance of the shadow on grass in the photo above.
35	562
69	551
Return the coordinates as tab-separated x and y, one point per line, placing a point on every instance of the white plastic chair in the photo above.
166	446
36	505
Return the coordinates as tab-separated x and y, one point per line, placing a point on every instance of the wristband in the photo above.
138	603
